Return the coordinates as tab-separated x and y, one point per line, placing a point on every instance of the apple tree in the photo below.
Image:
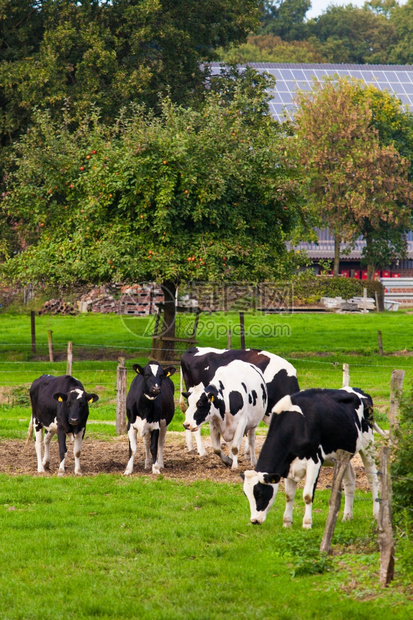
204	194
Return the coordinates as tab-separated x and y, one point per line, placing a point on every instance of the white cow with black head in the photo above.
306	431
234	403
199	365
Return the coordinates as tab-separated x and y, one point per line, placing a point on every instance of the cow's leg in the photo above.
216	445
313	469
146	436
249	446
161	442
298	470
189	442
236	442
246	449
290	486
199	443
154	451
370	468
47	439
132	434
77	447
38	445
349	483
61	436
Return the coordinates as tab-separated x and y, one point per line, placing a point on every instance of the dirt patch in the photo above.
110	457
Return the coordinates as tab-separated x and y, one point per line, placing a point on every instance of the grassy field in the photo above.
318	345
111	547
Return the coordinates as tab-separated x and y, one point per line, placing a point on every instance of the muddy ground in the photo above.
110	457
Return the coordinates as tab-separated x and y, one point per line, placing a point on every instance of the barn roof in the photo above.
290	77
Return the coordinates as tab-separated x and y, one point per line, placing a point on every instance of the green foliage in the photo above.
355	179
303	552
270	48
402	471
353	35
285	18
111	52
163	198
309	288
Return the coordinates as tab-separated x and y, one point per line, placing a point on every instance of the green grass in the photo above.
119	548
112	547
317	345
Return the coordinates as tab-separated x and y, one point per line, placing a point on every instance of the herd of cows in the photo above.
233	390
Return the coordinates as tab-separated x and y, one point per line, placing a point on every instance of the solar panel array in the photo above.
290	77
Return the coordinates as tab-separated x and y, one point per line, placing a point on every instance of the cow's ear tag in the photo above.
60	399
212	399
168	374
91	400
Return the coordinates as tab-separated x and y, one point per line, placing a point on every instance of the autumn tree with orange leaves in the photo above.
354	182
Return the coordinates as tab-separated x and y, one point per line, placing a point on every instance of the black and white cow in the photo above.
306	431
199	365
234	403
150	408
59	405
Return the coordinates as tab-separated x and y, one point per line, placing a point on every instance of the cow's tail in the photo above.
29	432
182	404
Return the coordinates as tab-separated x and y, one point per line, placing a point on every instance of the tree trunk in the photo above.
371	267
337	243
169	291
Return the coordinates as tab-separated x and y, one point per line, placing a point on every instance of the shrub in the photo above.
402	470
310	288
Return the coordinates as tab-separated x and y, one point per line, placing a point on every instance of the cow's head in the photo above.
261	490
202	403
153	375
77	404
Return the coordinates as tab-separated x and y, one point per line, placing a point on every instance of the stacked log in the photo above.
136	299
56	306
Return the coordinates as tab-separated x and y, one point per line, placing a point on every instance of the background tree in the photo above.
285	18
192	194
355	183
271	48
110	52
348	34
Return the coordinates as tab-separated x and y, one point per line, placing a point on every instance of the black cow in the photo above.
311	426
199	365
150	408
59	405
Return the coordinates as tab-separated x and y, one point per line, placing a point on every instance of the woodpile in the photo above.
136	299
56	306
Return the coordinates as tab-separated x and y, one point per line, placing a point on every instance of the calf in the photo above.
150	408
59	405
234	403
306	431
199	365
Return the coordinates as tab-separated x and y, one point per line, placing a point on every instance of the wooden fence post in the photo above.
121	397
242	329
346	375
228	338
380	342
396	389
33	330
340	466
69	361
384	526
50	343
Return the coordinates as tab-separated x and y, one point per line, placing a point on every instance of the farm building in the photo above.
290	77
